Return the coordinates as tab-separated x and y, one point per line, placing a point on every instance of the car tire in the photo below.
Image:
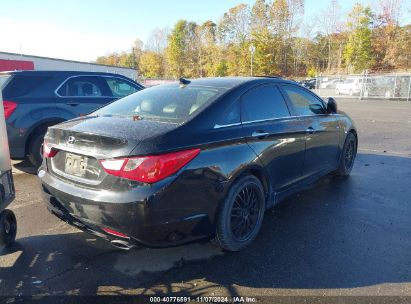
348	155
35	148
8	228
244	209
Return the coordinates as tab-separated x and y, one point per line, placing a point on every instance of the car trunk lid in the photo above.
81	144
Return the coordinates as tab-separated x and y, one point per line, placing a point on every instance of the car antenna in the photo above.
184	82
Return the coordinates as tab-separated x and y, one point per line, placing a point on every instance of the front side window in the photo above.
120	87
163	103
82	87
263	103
304	102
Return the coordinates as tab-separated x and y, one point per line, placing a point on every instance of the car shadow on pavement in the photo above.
341	233
24	166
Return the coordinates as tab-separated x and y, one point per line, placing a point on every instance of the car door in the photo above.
322	130
275	136
81	95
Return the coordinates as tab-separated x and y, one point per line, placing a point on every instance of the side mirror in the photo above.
331	105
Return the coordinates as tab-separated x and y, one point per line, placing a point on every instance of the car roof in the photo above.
51	72
232	82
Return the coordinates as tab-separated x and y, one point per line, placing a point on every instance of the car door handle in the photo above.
73	104
260	134
310	130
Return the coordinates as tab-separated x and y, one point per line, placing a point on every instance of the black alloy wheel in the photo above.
245	213
349	155
347	158
240	216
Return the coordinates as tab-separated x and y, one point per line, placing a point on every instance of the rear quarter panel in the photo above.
346	125
5	164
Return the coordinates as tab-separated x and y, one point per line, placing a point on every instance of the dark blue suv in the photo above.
35	100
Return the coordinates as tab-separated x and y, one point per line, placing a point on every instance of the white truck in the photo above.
8	224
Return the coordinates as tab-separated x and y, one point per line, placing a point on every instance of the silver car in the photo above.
8	224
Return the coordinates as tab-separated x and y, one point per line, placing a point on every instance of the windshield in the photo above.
3	79
164	103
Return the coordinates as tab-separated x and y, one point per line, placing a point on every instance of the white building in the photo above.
12	61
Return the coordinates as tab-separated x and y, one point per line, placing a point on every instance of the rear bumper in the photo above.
154	216
7	191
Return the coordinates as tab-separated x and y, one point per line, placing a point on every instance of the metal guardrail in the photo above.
365	86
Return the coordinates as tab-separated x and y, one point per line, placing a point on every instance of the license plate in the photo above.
75	165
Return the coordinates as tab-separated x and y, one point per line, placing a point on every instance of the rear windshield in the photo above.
23	85
164	103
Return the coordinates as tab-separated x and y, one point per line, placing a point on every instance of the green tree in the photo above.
151	65
403	49
234	26
234	34
369	41
259	16
266	55
358	50
176	50
210	54
184	50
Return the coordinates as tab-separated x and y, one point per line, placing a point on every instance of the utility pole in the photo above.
252	51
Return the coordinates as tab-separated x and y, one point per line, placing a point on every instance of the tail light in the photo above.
149	169
9	108
48	152
115	233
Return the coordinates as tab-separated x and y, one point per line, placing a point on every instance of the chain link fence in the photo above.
365	86
360	86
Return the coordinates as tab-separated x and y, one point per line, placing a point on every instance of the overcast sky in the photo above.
86	29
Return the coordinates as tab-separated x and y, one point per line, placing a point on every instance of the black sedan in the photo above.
193	160
309	84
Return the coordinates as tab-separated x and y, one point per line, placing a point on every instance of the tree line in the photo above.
283	43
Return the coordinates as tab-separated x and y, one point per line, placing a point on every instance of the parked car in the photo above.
8	224
35	100
309	83
197	159
387	87
351	86
330	84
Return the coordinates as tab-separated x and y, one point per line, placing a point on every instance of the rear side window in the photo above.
87	86
304	102
163	103
3	79
22	85
232	115
263	103
120	87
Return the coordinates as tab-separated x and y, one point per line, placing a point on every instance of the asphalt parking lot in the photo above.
341	237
